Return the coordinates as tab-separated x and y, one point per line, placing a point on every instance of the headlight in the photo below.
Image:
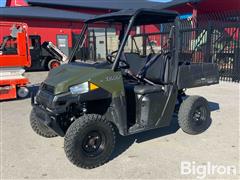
83	88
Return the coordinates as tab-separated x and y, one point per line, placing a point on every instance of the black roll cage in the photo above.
131	16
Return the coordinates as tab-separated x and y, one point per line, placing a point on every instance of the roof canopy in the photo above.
109	4
144	16
95	4
175	3
43	13
46	12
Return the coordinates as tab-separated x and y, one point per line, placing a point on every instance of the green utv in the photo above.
88	103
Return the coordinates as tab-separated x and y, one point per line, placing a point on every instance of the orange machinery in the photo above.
14	56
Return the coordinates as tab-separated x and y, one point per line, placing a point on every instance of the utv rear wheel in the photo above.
39	128
89	141
194	115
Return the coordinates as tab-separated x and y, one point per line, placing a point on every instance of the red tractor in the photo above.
14	57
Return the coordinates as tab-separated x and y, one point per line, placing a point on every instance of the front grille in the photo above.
44	98
48	88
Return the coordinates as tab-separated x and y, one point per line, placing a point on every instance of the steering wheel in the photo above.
111	57
123	64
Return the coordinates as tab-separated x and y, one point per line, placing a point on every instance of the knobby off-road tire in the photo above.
194	115
90	141
39	128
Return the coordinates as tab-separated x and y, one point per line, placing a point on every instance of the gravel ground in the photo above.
155	154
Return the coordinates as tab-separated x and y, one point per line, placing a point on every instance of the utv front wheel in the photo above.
194	115
39	128
89	141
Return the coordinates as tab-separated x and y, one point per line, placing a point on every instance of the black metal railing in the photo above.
211	37
214	38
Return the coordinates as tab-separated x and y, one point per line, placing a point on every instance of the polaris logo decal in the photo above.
113	78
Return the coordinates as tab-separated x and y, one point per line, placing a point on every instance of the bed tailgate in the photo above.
196	75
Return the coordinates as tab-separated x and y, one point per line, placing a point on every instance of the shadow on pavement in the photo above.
124	142
213	106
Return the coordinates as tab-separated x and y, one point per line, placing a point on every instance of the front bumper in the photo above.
50	109
48	120
56	111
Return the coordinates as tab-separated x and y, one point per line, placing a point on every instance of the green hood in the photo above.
68	75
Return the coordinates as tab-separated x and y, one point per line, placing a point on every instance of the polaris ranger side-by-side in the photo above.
88	104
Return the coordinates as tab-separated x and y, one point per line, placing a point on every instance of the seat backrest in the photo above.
135	62
159	70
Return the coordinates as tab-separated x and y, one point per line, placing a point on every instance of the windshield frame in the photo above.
80	41
120	49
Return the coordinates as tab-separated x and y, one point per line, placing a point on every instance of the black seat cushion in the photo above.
147	89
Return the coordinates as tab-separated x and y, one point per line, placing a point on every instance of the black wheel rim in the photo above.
93	143
199	115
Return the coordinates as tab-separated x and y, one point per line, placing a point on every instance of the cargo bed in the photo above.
196	75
